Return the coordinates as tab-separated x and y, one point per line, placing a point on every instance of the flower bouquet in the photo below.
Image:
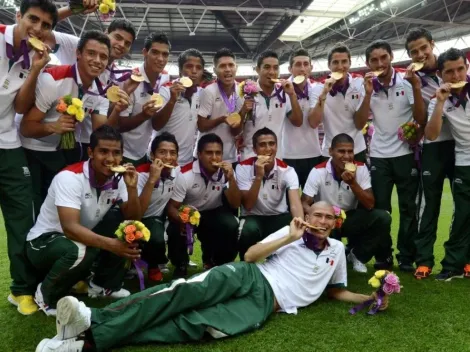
340	216
248	89
411	133
73	107
190	217
386	283
106	9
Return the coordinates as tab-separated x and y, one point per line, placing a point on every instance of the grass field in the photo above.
426	316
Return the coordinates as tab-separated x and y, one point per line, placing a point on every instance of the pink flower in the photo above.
400	134
370	130
337	210
388	289
392	279
250	88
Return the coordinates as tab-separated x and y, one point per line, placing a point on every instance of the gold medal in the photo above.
113	94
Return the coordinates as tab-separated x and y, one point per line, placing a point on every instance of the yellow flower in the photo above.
343	214
77	102
72	110
139	225
80	115
146	232
104	9
193	220
197	215
107	2
374	282
380	274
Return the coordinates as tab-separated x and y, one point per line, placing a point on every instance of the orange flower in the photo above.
130	237
129	229
186	210
61	107
184	217
138	235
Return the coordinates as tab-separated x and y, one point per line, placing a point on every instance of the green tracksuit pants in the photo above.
255	228
16	201
154	250
227	300
303	167
136	163
437	163
400	172
77	154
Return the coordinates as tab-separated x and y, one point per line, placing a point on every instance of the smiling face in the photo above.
321	215
341	154
106	153
421	50
166	152
193	69
93	58
121	42
156	57
268	70
226	70
380	60
34	23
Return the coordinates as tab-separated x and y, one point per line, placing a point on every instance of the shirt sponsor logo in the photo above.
450	108
414	172
26	172
458	180
88	196
373	168
427	173
195	186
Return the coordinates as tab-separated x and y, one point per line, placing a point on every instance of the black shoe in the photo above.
180	272
406	267
386	264
447	275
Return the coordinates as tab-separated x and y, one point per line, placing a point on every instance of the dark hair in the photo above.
265	55
224	52
339	48
262	132
105	133
341	138
45	5
207	76
164	137
298	52
377	44
208	138
159	37
125	25
415	34
185	55
451	54
93	35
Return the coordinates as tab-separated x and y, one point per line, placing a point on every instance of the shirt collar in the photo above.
9	34
393	81
93	87
86	170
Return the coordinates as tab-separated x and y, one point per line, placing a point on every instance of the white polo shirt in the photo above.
270	113
322	186
298	276
66	47
272	194
459	121
182	123
191	188
137	140
301	142
338	113
162	191
213	106
71	188
54	83
11	80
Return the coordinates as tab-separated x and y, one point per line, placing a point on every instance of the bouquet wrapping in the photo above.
190	217
73	107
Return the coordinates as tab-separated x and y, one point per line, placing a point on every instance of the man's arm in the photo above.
413	91
131	122
232	193
310	190
179	195
146	191
205	122
250	188
364	196
296	116
33	127
342	294
320	93
296	208
306	201
170	95
173	213
436	110
361	116
89	7
131	208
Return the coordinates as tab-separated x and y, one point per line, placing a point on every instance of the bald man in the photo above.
301	263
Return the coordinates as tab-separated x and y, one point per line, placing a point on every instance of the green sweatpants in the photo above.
437	163
218	233
77	154
402	172
227	300
255	228
62	262
16	202
361	157
154	250
136	163
368	233
43	167
457	247
303	167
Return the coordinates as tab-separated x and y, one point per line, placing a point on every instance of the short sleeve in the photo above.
46	92
316	91
206	103
339	279
288	105
68	190
122	192
291	179
431	107
311	96
179	193
165	93
102	106
240	100
243	177
141	182
67	50
312	185
363	177
359	84
409	91
277	235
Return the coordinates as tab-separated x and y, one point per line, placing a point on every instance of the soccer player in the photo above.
136	122
336	102
20	68
393	103
221	99
68	236
43	125
202	184
264	181
367	229
179	115
301	146
450	105
438	157
274	103
156	185
225	301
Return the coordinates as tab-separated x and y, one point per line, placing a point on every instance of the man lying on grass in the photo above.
301	262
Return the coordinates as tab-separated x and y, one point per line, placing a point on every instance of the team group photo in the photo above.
228	191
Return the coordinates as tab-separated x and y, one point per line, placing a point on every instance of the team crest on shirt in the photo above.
401	92
355	96
195	186
450	108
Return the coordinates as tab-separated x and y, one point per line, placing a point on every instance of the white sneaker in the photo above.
164	268
53	345
192	264
95	291
39	299
73	318
357	265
